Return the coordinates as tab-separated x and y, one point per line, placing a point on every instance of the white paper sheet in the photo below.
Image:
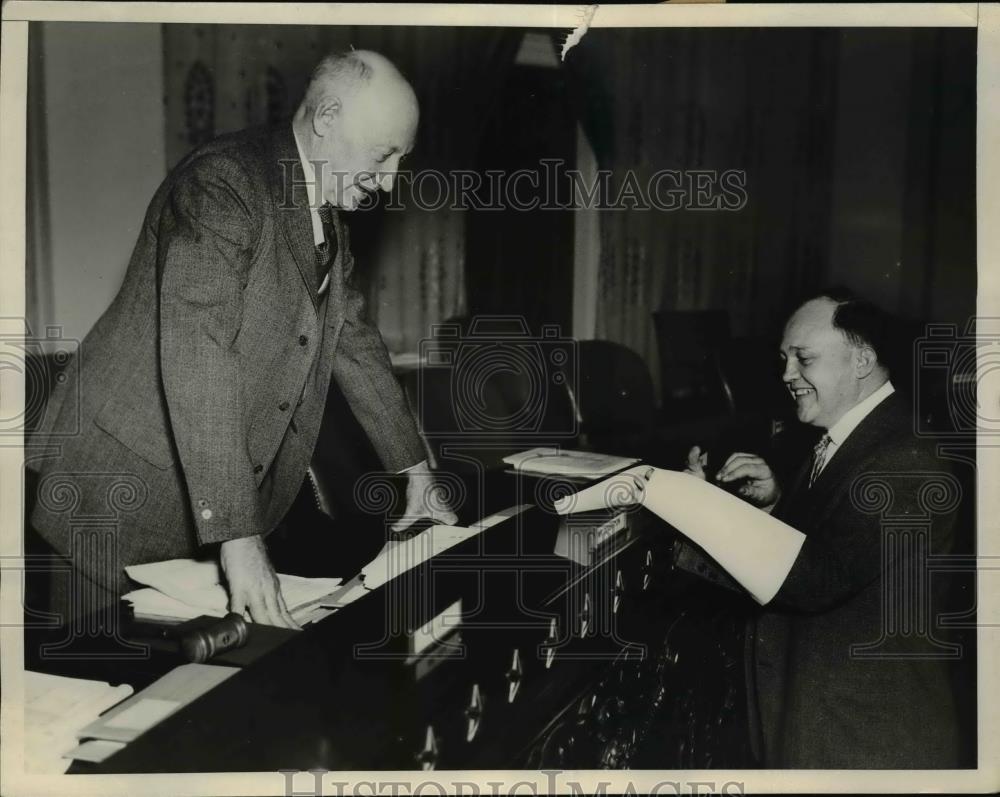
499	517
187	588
144	714
94	750
157	701
56	708
754	548
398	557
567	462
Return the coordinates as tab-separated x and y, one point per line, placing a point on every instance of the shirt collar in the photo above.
840	431
310	177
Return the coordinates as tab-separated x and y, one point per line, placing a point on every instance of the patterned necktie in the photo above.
819	457
326	251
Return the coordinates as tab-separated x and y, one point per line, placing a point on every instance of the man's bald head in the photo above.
359	118
345	74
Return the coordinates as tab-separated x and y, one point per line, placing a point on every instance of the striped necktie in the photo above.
819	457
326	252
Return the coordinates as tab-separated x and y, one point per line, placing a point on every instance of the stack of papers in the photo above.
182	589
561	462
56	708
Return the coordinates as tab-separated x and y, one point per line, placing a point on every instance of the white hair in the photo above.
342	74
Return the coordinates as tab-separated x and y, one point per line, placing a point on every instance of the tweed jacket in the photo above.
192	408
847	666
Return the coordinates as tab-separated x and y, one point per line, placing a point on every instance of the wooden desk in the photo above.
655	680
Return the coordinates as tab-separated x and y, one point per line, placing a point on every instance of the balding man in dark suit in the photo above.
846	665
198	394
846	668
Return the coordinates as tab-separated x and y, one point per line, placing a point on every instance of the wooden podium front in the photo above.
496	654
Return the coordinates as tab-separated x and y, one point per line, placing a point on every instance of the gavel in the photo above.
197	640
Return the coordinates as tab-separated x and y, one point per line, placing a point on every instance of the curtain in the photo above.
38	298
221	78
756	101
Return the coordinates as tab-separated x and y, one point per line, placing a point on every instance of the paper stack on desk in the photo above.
562	462
182	589
55	709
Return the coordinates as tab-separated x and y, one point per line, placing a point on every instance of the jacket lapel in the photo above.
291	205
848	458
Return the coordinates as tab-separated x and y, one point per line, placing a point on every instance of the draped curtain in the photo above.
758	101
755	100
221	78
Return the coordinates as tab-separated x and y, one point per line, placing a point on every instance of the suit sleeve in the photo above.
362	368
852	548
206	240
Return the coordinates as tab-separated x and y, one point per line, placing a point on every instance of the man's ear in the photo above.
865	361
324	117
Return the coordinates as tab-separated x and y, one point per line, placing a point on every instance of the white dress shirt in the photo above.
319	236
842	429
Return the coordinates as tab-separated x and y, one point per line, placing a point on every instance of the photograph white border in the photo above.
13	91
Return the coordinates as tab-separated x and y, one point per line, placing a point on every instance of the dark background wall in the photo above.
858	146
859	152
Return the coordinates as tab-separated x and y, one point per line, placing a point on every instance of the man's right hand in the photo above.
253	584
697	461
759	486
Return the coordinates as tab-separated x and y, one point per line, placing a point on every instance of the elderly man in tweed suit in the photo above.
203	384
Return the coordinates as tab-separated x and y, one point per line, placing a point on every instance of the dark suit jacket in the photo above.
192	409
846	665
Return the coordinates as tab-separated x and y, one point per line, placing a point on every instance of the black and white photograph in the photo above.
499	400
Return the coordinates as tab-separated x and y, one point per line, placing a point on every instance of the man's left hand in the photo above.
424	499
752	478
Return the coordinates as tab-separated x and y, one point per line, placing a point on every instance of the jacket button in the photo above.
258	468
303	340
284	405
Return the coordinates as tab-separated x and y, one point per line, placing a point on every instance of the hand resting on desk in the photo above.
252	583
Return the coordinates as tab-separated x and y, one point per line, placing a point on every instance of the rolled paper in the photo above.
622	489
755	548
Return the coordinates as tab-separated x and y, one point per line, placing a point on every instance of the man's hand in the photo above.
424	499
627	488
759	486
697	461
253	584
